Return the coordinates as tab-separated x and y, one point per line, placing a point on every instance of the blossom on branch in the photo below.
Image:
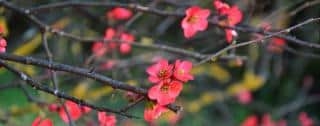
105	120
182	71
119	13
74	110
244	97
125	47
42	122
3	45
250	121
305	120
195	20
165	92
101	48
160	71
152	112
168	82
232	16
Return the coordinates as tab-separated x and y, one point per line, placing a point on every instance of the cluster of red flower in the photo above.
168	82
267	121
75	112
196	19
100	48
276	44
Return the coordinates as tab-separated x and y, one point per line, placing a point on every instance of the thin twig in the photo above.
129	106
217	54
300	53
54	78
305	5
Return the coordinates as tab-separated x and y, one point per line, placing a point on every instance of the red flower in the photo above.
119	13
182	70
105	120
160	71
244	97
74	110
108	64
250	121
230	34
125	47
85	109
221	7
1	30
109	34
267	121
278	42
153	112
53	107
3	45
39	122
165	92
195	20
276	45
305	120
99	49
233	15
282	123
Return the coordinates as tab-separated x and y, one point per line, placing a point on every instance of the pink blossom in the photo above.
195	20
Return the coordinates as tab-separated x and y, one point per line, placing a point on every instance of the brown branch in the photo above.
82	72
54	78
36	85
300	53
217	54
129	106
305	5
132	6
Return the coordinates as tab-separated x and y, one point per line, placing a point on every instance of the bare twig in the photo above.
129	106
54	75
217	54
300	53
305	5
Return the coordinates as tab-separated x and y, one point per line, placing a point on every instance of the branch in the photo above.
305	5
82	72
45	27
132	6
217	54
141	8
38	86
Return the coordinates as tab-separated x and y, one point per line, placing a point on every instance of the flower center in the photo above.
181	71
162	73
192	19
165	88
